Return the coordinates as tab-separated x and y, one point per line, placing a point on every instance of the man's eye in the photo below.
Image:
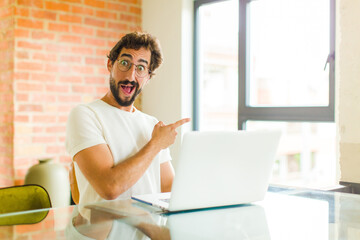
141	68
124	62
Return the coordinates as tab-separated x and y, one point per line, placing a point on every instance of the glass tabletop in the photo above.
283	214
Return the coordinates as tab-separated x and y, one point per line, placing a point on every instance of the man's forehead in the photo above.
136	54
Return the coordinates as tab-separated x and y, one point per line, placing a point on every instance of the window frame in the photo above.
247	112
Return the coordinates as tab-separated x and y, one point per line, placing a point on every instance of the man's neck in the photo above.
109	99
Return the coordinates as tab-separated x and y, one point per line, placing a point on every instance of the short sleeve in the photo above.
83	130
164	156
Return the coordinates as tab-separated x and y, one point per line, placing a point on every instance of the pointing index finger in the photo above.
180	122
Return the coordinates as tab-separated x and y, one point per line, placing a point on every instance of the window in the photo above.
270	64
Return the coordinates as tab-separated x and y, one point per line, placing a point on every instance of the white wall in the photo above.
168	96
348	88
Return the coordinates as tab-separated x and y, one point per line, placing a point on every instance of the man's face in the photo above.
125	86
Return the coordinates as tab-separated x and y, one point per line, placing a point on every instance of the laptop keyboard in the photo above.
167	200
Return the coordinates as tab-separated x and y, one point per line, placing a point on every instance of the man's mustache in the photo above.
126	82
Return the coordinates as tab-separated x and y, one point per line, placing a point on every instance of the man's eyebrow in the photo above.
129	56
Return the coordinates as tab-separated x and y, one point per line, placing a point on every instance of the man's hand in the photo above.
164	135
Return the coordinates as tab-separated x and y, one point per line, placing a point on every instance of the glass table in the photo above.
283	214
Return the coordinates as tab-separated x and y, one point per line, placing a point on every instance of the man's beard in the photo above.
115	90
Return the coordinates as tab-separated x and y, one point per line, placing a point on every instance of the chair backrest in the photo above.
73	184
23	198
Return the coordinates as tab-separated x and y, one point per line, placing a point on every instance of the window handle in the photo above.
330	57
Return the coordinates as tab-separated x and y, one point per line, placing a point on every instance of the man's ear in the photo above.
109	65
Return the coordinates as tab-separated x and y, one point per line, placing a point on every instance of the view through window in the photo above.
287	48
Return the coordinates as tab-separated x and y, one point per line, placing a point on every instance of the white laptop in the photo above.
219	169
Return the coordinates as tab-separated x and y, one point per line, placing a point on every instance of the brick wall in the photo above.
59	62
6	93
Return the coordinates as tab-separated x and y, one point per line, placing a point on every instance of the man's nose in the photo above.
131	73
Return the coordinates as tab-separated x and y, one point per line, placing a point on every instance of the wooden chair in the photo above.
73	185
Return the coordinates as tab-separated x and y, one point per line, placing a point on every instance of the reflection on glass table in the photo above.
285	213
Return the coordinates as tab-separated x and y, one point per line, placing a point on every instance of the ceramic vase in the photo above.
54	178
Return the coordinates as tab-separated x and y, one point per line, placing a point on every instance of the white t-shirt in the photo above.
124	132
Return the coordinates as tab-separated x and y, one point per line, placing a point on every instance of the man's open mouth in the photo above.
128	89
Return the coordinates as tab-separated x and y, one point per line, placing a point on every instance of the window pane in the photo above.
288	48
306	154
218	65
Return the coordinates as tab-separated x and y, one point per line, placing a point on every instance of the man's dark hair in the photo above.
137	40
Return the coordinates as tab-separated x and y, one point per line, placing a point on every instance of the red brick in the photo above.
118	26
55	149
102	90
82	50
130	18
53	68
29	45
22	55
83	89
71	39
19	33
106	14
22	97
70	79
136	10
66	98
22	12
107	34
43	35
82	69
103	70
44	139
66	108
95	80
70	58
57	88
51	5
29	66
58	27
96	61
21	118
30	108
82	10
44	119
6	12
72	1
44	56
94	22
31	3
82	30
102	52
71	18
21	76
43	97
56	129
42	77
95	42
29	86
117	6
62	119
43	14
53	47
27	23
95	3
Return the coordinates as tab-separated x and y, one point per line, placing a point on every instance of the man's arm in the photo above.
109	181
167	176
